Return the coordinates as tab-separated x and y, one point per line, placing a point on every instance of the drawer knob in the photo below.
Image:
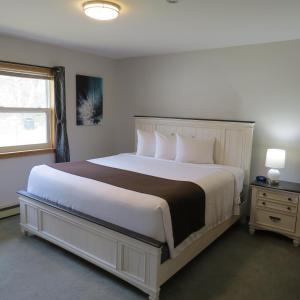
274	219
289	208
264	203
264	194
290	199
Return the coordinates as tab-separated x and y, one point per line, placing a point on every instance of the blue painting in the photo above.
89	100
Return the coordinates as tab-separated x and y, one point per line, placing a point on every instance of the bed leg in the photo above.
251	230
154	296
24	232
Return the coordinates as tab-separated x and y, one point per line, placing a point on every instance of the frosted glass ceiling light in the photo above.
101	10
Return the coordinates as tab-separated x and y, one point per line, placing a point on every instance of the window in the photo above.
26	114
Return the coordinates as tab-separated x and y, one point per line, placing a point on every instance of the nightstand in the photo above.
275	208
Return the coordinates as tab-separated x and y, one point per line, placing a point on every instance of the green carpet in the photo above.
236	266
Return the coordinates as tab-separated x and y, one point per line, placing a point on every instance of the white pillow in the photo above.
165	146
194	150
145	143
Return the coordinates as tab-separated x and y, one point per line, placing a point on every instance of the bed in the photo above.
116	229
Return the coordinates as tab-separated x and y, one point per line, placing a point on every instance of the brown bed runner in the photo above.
186	200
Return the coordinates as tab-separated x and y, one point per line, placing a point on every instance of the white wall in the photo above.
259	83
85	141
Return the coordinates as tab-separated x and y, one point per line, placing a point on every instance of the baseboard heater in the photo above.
9	211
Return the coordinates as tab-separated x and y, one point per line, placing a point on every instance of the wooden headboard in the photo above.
233	144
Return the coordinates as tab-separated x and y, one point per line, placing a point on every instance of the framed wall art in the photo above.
89	100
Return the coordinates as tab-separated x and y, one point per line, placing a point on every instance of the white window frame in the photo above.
31	72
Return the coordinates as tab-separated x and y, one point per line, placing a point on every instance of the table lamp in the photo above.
275	160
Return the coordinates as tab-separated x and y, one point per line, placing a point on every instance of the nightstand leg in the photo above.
154	296
296	242
251	230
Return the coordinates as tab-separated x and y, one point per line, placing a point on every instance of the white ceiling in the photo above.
147	27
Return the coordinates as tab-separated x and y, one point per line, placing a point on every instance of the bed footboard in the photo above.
132	260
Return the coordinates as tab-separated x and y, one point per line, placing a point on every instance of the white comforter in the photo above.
146	214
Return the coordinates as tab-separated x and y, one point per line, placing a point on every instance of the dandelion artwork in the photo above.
89	100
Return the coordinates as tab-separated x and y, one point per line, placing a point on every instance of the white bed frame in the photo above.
129	259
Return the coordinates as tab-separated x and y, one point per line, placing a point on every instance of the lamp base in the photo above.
274	176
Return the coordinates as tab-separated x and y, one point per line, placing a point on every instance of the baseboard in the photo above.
9	211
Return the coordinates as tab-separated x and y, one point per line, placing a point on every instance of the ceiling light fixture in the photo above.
101	10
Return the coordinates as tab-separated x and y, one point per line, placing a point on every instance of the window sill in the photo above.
26	153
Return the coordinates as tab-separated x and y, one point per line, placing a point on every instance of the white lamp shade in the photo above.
275	158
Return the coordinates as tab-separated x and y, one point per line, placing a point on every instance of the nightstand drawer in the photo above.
275	220
286	197
277	206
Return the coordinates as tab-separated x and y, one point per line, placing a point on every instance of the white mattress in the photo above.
146	214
